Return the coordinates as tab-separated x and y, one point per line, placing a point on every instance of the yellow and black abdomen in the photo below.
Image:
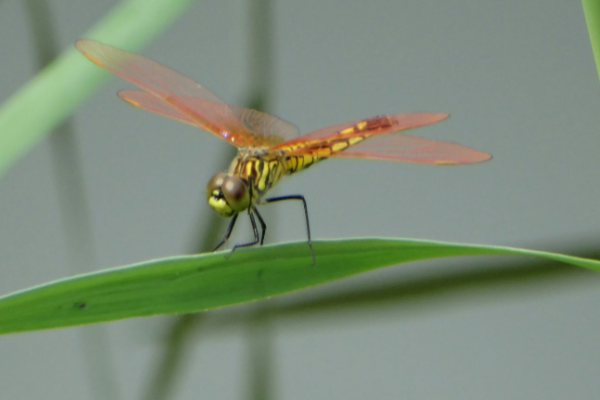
320	151
301	162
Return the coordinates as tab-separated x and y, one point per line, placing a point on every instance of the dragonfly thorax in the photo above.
227	194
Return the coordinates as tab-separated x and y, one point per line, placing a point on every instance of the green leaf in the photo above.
591	10
47	99
202	282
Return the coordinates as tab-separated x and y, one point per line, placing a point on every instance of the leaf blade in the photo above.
194	283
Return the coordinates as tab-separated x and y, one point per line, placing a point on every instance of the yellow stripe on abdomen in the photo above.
298	163
339	146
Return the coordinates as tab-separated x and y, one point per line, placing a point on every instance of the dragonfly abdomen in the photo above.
295	163
299	163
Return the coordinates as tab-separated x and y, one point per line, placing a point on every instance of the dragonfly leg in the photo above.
298	197
254	228
262	225
228	233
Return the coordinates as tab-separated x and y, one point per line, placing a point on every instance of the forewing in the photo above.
197	104
369	126
379	138
264	129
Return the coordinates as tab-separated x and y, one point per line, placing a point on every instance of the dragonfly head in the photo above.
227	194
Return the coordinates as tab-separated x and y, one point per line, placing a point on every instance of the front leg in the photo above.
262	225
254	229
228	233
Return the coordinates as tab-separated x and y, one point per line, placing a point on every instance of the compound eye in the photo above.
236	193
214	185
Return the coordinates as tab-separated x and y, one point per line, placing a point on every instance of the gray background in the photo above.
520	82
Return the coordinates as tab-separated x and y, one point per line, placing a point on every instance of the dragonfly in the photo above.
269	148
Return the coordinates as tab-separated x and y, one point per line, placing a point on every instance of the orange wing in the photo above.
174	95
264	129
377	138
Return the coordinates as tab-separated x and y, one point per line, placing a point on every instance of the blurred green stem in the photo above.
591	10
261	55
259	349
173	357
73	209
63	84
181	332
